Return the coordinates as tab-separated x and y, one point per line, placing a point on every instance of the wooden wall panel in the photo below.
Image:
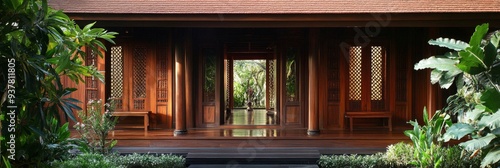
400	116
209	114
163	116
332	119
292	115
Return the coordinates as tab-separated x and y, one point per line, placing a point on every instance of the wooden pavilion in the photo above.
330	65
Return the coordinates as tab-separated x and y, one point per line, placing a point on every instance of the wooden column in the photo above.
313	124
180	92
188	69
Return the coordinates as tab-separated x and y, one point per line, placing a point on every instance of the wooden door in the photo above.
292	86
366	79
131	80
208	115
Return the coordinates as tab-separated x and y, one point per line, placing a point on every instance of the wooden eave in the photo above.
291	20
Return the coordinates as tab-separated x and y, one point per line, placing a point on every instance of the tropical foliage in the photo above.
400	155
249	74
96	125
425	139
42	44
95	160
474	67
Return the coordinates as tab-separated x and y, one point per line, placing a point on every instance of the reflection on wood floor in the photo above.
329	141
254	117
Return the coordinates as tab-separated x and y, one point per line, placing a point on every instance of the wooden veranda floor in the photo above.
258	138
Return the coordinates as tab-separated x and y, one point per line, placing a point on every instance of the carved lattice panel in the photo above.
139	78
162	78
333	79
227	87
401	78
376	73
116	75
272	83
355	75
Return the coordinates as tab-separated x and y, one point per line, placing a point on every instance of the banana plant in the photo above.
474	67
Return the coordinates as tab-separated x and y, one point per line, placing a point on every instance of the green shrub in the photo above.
399	155
150	161
353	161
455	157
96	160
87	160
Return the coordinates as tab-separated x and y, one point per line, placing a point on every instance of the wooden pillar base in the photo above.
312	132
180	132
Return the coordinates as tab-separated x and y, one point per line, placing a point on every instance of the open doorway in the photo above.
250	91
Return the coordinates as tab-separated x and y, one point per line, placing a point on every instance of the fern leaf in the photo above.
453	44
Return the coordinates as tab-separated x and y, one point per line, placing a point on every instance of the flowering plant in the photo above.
95	125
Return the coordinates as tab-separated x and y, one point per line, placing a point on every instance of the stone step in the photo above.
254	166
255	157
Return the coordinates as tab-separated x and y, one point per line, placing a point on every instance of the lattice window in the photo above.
162	78
376	73
117	75
291	84
91	83
139	77
209	70
355	75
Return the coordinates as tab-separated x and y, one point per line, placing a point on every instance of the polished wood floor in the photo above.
253	117
259	137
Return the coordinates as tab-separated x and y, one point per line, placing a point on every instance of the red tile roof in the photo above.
274	6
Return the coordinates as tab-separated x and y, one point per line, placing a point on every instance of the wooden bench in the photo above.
144	114
352	115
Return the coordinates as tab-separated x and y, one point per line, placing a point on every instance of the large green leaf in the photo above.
475	114
489	98
445	78
439	63
491	121
477	143
471	60
490	54
448	77
436	76
477	37
492	157
495	38
496	132
453	44
457	131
